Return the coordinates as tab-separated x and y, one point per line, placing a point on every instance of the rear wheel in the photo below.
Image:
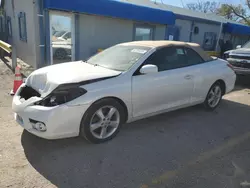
102	121
213	97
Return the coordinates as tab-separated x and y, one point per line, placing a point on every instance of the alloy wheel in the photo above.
214	96
104	122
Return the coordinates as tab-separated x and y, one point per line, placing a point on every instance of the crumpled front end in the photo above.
42	103
50	122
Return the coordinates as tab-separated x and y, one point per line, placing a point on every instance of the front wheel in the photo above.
60	53
213	97
102	121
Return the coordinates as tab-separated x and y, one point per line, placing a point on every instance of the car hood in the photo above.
46	79
245	51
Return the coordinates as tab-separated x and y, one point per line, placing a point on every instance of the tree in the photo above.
204	6
237	13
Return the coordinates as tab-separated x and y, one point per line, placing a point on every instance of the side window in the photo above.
168	58
9	27
22	26
193	58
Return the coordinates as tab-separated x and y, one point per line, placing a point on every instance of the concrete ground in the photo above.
186	148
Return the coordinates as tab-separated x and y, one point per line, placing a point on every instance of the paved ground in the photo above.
186	148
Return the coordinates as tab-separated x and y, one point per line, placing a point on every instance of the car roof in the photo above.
168	43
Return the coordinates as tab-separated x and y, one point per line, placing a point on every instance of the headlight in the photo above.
62	94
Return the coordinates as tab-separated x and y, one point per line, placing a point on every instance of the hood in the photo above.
245	51
46	79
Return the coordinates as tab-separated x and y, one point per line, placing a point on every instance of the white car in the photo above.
124	83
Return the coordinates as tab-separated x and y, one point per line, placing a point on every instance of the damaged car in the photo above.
121	84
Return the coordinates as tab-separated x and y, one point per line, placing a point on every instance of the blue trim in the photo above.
47	38
184	17
236	29
77	37
114	8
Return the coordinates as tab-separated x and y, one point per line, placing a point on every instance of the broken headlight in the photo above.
62	94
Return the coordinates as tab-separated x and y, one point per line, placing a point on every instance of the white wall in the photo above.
25	50
102	32
185	26
160	31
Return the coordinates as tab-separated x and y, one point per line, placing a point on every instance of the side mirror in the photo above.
239	46
147	69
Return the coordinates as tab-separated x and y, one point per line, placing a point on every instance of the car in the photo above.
121	84
239	59
62	49
62	45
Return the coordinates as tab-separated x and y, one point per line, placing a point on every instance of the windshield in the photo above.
59	33
247	45
119	57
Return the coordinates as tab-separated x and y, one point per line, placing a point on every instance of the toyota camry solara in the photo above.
126	82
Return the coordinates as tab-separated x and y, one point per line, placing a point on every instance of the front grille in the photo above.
240	57
239	64
28	92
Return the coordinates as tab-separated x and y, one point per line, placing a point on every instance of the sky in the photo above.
180	2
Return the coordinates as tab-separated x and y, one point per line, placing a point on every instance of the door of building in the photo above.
62	37
172	33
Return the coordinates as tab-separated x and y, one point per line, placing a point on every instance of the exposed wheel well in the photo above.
223	85
120	102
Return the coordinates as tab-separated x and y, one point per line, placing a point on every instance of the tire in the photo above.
60	54
92	124
215	88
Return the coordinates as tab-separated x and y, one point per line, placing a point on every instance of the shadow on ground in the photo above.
142	150
242	82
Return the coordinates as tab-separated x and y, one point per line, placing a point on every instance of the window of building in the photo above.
143	32
22	26
1	24
196	30
209	42
9	27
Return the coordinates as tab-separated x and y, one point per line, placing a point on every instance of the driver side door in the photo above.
170	87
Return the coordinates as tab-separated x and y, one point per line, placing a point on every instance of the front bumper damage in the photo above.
60	121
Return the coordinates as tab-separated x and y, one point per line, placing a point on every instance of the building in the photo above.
46	32
198	27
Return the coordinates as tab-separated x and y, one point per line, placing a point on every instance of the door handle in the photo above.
188	77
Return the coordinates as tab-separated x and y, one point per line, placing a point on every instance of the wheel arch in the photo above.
223	85
120	101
